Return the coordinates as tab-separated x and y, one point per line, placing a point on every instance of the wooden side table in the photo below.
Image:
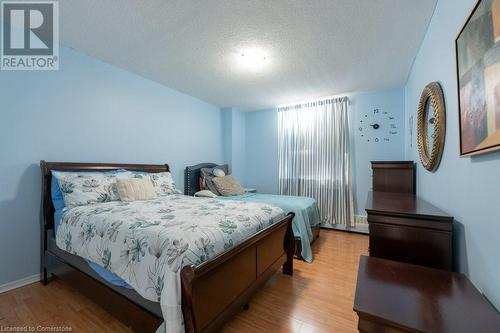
394	297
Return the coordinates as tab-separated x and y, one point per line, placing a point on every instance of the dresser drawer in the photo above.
414	245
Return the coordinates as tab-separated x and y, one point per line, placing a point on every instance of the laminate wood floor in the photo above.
318	298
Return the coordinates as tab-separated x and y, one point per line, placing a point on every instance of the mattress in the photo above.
104	273
146	243
306	214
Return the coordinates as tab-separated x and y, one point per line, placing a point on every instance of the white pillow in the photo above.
162	181
218	172
205	194
86	188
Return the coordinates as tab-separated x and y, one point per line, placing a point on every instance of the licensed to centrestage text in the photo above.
37	328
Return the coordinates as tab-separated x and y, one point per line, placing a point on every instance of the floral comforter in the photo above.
146	243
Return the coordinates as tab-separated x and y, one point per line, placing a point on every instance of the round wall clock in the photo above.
377	126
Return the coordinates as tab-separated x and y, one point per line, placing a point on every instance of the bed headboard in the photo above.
192	177
47	208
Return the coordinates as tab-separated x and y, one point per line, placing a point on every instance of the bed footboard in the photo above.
215	290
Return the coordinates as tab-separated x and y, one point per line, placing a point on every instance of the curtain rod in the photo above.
320	101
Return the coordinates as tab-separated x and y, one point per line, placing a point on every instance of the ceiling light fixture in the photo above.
252	59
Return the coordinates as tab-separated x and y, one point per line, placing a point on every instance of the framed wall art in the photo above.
478	70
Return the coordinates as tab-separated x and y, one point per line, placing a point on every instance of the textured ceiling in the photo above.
314	48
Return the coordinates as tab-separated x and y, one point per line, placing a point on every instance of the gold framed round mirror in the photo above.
431	123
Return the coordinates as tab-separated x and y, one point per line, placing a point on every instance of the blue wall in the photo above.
233	127
87	111
392	102
262	143
262	151
467	188
227	135
238	146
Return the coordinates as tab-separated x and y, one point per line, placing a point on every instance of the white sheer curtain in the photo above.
315	156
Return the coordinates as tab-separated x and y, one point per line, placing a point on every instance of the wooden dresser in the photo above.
405	228
397	297
393	176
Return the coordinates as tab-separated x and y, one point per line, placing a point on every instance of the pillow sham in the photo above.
135	189
208	176
228	185
86	188
163	182
55	191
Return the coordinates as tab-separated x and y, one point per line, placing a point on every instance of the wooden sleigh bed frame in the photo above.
192	185
211	294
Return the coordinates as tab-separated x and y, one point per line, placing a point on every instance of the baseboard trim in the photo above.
360	220
337	227
19	283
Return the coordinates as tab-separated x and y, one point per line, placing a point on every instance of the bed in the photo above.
306	223
208	293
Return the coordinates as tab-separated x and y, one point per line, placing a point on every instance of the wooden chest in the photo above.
405	228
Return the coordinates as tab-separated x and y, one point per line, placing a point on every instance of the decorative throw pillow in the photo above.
208	175
135	189
86	188
162	182
228	185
